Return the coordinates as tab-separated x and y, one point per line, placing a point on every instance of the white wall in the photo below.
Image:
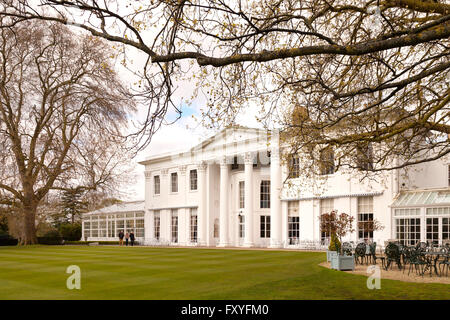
426	175
342	186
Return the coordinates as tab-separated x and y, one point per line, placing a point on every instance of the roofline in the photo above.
167	155
98	211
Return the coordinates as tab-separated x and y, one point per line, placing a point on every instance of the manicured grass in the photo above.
39	272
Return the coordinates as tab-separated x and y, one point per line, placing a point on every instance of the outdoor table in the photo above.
432	263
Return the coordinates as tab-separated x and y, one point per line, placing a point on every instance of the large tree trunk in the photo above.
29	225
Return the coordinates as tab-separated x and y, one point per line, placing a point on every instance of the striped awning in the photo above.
347	195
422	198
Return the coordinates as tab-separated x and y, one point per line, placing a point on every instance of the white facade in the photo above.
202	197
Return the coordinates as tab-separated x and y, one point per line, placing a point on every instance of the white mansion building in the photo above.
233	190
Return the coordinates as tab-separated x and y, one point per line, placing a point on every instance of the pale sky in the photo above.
180	136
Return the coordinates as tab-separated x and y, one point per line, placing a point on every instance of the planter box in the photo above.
330	254
339	262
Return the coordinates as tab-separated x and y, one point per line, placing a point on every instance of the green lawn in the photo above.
39	272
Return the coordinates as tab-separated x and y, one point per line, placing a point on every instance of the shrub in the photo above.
88	242
7	240
99	242
335	244
52	237
42	228
70	232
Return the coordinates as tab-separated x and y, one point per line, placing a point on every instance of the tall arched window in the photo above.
326	162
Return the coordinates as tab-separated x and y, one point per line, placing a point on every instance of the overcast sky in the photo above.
180	136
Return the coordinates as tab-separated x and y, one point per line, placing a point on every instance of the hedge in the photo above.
50	240
7	240
89	242
99	242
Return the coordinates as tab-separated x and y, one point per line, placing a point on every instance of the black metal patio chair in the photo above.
422	246
372	256
393	254
445	264
347	249
360	252
419	262
406	256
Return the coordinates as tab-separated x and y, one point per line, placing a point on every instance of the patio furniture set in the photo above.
423	257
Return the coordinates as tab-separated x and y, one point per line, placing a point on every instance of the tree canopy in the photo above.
369	79
63	112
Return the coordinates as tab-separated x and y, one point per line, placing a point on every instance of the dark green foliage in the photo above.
52	237
7	240
88	242
72	205
71	232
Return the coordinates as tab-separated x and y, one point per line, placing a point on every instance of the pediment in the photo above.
233	136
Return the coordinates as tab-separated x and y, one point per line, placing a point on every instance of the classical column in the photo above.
148	221
223	232
275	192
202	210
248	196
183	213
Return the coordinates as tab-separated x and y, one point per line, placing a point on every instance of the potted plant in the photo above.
339	225
327	226
334	247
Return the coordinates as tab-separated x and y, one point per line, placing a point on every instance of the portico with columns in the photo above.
227	183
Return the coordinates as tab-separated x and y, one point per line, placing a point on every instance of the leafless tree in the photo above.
366	78
62	113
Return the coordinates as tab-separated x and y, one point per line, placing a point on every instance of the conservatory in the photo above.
106	223
422	216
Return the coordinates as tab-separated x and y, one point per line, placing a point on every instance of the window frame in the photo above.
156	183
407	232
174	183
365	214
294	166
174	226
264	194
193	225
264	226
365	156
292	221
326	206
157	225
293	229
242	194
327	163
193	180
433	234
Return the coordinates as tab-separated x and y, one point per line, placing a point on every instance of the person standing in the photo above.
120	238
132	238
127	236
